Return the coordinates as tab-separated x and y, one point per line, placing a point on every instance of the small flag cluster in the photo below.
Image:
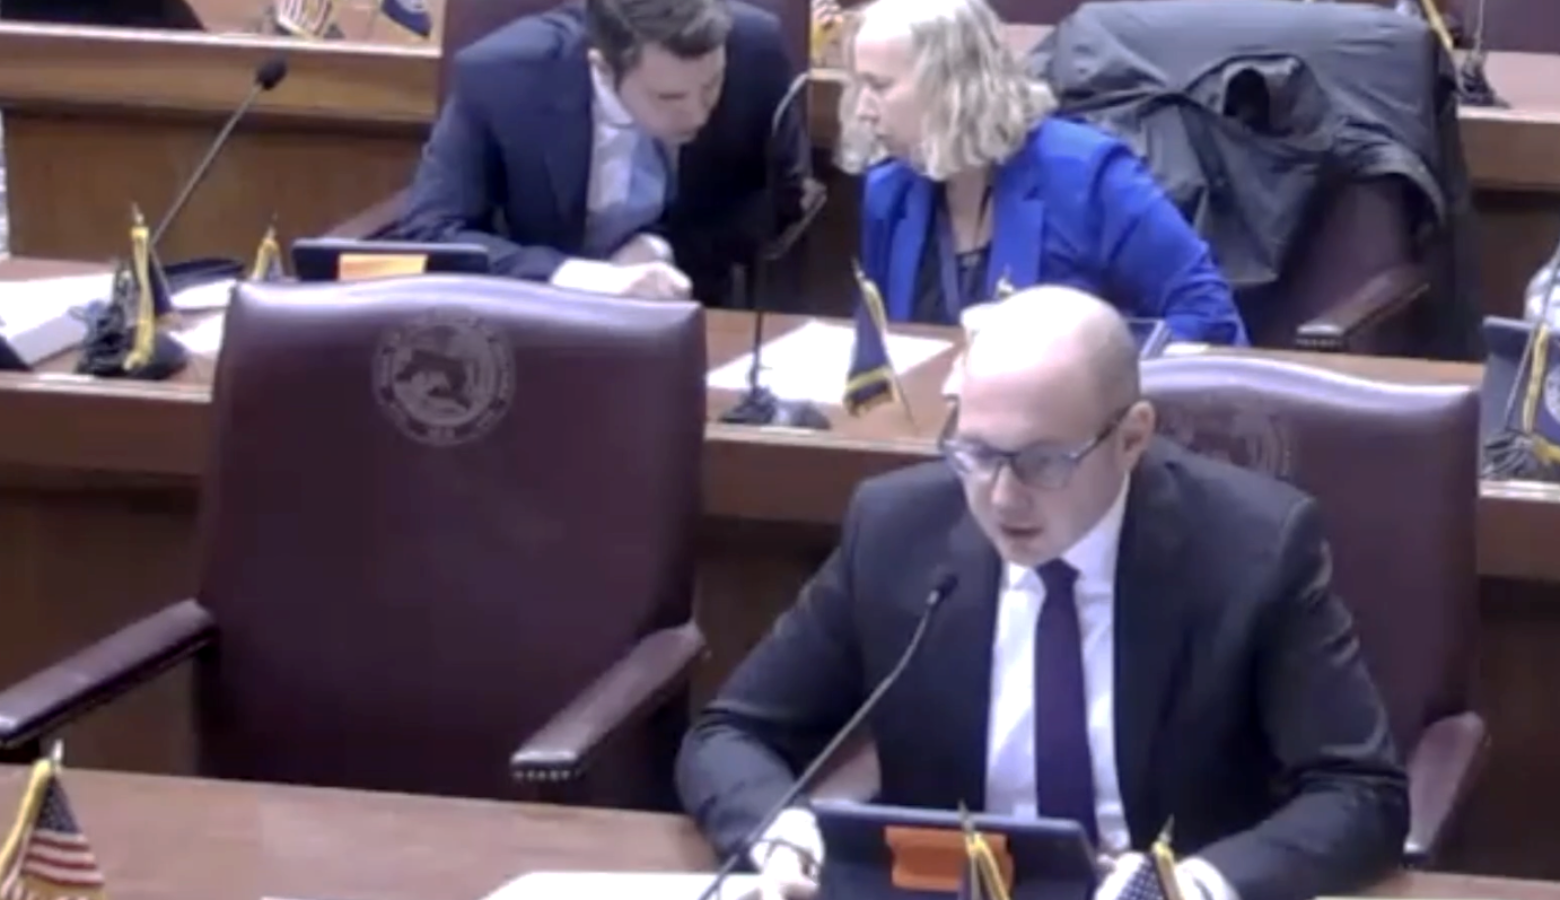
46	856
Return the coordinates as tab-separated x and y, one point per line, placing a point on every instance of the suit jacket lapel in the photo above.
1152	620
957	660
567	147
906	246
1017	227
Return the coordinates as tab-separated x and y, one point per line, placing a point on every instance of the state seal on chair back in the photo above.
438	510
1394	469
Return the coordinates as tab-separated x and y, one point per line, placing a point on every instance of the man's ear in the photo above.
1137	428
599	64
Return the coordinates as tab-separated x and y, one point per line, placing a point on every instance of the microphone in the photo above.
759	405
942	586
268	75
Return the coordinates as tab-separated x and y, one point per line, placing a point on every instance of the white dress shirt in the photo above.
1010	753
614	135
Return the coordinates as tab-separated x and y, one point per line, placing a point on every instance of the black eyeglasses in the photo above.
1038	465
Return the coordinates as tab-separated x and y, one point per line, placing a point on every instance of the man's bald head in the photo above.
1050	422
1055	337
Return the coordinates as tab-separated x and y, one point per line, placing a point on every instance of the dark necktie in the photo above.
1064	775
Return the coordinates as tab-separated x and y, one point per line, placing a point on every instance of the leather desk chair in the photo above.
1350	279
1395	471
467	20
442	515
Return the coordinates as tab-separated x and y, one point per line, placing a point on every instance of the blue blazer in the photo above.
1073	206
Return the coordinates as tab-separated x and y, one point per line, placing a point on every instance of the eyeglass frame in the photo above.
1070	460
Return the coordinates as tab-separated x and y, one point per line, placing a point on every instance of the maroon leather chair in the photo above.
1395	471
442	515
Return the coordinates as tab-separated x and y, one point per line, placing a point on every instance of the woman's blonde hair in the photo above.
980	104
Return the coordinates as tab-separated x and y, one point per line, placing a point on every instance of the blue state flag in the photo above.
870	380
412	15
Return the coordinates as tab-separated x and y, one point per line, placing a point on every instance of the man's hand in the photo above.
654	281
644	248
650	280
788	857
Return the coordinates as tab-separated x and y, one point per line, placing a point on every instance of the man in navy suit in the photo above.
1134	636
620	146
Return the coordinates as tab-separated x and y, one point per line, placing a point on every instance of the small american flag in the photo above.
1154	878
46	856
1144	883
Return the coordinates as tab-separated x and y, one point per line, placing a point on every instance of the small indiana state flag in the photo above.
46	856
985	878
267	265
870	380
412	15
1539	384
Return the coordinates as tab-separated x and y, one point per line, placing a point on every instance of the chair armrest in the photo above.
636	685
1378	300
1444	766
50	699
814	195
374	222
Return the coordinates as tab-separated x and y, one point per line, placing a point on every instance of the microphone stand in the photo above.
759	405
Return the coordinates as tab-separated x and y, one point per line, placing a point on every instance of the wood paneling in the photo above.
99	119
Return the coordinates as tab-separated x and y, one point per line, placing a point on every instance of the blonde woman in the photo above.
971	183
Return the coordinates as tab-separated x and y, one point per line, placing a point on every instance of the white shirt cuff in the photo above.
1209	881
582	275
796	828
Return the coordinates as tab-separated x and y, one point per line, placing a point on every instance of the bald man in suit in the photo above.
1136	635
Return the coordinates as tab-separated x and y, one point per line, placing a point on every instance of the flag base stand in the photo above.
759	406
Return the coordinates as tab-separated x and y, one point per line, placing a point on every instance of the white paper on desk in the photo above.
809	363
208	295
42	317
621	885
204	338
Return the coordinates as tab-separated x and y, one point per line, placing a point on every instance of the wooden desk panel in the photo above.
97	526
190	839
97	119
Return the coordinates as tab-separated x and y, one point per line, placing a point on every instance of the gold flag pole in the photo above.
1163	859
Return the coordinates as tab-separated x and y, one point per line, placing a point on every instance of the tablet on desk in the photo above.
342	259
899	853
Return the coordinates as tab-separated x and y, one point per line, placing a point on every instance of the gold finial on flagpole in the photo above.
57	752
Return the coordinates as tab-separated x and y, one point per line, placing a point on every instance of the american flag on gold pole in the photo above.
46	856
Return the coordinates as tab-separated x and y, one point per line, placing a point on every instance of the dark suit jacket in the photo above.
508	164
1242	705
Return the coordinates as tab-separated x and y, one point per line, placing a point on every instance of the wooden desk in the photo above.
192	839
99	489
189	839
